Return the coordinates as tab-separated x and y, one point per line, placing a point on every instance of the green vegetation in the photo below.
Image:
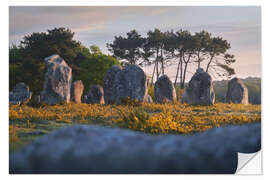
93	69
253	85
26	61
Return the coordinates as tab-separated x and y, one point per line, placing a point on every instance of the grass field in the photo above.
27	123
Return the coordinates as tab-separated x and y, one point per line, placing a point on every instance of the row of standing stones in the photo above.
108	150
128	82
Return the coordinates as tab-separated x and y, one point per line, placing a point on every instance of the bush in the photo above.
129	102
151	92
179	92
94	68
134	119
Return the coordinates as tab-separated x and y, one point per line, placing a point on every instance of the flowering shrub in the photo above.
171	121
149	118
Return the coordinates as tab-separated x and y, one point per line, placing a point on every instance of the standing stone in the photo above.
77	91
58	79
109	88
95	95
237	92
200	89
131	83
20	94
164	90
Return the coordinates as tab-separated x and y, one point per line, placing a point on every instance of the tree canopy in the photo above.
27	59
128	48
93	69
183	48
55	41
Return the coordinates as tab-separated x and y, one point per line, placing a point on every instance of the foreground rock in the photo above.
200	89
164	90
20	94
57	84
237	92
95	95
77	91
109	87
131	82
93	149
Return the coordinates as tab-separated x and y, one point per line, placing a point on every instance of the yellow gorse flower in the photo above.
154	118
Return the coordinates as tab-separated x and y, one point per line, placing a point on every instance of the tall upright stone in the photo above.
20	94
237	92
95	95
164	90
200	89
109	87
58	79
131	82
77	91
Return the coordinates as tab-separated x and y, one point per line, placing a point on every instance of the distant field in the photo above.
27	123
253	85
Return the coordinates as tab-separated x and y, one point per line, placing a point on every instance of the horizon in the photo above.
240	26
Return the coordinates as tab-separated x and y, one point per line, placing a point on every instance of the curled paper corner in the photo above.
249	163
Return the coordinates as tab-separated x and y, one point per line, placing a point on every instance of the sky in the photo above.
239	25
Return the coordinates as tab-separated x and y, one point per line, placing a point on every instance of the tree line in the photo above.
26	60
163	49
89	64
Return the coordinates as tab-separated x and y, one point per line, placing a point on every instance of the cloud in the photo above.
241	26
158	11
28	19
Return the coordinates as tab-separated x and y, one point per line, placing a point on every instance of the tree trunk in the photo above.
181	71
162	63
177	72
152	80
157	64
199	61
185	71
208	65
184	77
